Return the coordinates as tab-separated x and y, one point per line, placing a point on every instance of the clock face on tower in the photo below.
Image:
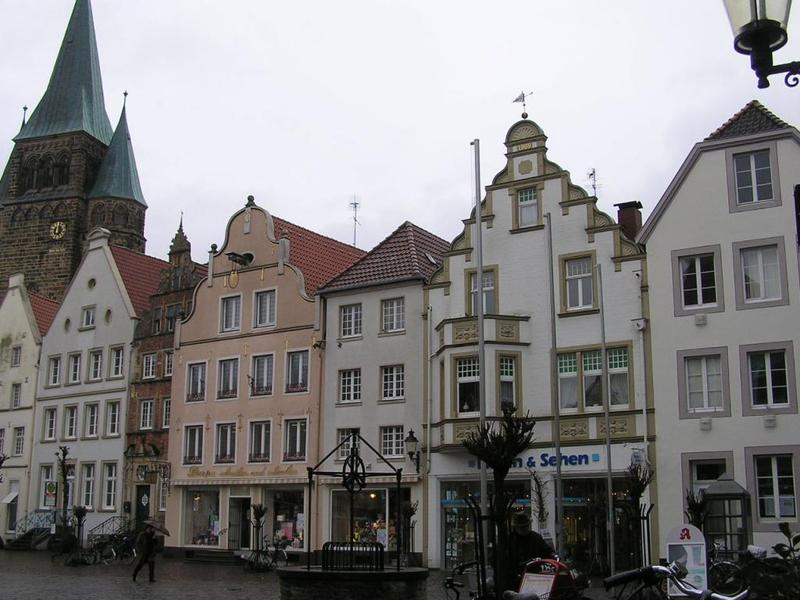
57	230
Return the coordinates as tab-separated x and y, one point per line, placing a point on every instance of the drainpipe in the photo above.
321	352
429	438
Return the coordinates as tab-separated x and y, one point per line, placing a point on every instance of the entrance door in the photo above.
239	523
11	514
142	505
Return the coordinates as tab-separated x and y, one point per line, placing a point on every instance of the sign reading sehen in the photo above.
550	459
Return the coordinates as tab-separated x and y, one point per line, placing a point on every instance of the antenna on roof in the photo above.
592	175
354	205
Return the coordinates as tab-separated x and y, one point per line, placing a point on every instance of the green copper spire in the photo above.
74	97
118	177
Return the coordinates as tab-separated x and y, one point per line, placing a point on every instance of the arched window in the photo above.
61	171
29	174
46	172
120	215
99	215
60	211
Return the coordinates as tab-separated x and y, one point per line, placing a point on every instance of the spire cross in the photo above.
522	98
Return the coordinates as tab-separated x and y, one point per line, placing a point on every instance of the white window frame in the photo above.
116	363
110	475
770	403
45	477
225	435
269	296
192	394
169	361
146	415
264	438
775	484
16	395
91	418
166	412
112	418
2	439
341	436
301	424
54	371
752	171
392	441
571	301
489	286
706	390
351	320
149	362
393	315
228	372
349	386
695	261
262	379
95	366
471	375
508	376
527	198
16	355
87	485
74	375
230	313
163	494
50	424
71	422
298	386
19	441
568	371
88	317
761	274
393	382
196	444
171	317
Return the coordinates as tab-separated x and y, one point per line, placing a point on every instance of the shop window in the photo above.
288	524
201	523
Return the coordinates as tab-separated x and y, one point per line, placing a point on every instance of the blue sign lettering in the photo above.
550	460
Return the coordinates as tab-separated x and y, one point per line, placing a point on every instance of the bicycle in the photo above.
267	557
120	547
648	582
724	576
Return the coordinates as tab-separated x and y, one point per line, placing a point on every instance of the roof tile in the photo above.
753	118
141	275
44	311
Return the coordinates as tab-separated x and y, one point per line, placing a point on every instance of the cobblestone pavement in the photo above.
32	576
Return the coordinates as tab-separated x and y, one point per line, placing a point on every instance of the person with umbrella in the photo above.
146	548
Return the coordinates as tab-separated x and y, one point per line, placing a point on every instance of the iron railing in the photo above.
352	556
109	527
37	519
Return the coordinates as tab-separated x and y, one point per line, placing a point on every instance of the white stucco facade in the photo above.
724	356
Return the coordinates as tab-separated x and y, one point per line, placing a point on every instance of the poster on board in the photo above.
686	546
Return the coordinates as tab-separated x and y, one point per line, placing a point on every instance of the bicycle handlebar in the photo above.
650	575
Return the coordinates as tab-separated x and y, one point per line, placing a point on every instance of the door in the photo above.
11	514
234	524
142	505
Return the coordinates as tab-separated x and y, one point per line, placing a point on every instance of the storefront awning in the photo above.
389	479
9	498
240	481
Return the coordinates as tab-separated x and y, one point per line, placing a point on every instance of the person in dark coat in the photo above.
524	544
146	552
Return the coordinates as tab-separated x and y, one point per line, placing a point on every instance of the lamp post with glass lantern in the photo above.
412	448
759	29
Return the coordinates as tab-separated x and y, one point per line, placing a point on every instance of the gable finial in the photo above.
521	98
124	98
180	225
24	114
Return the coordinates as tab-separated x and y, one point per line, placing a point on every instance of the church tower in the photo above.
54	172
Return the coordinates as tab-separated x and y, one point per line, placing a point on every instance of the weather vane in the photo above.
521	98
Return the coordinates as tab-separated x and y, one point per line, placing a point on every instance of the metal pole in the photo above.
479	309
606	411
308	523
556	406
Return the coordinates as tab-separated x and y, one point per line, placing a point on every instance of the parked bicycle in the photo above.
269	556
120	546
724	576
647	583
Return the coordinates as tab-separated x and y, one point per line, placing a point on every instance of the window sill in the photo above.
120	376
355	403
391	333
146	428
263	326
391	401
350	338
579	312
86	328
259	461
89	437
227	398
261	394
295	392
72	383
526	228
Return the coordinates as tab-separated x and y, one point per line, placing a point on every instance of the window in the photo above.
231	313
528	207
580	379
166	411
45	477
775	487
74	368
149	366
579	281
156	328
54	371
163	494
297	372
193	445
19	441
394	384
112	418
264	310
87	486
467	373
350	320
146	414
95	365
343	437
489	304
197	382
259	441
87	318
226	443
109	486
393	313
91	420
228	380
16	395
753	177
294	441
507	370
704	383
392	444
697	284
350	385
16	356
706	472
49	432
169	355
117	361
71	422
768	378
760	273
172	315
261	380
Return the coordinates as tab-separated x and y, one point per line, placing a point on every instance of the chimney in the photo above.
629	216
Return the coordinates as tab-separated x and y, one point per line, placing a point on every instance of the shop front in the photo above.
374	517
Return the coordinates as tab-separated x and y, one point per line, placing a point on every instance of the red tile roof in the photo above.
44	311
141	275
319	258
408	253
753	118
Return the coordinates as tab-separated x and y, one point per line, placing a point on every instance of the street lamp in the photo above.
759	29
412	448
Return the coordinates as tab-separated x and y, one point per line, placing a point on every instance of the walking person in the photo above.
525	544
146	550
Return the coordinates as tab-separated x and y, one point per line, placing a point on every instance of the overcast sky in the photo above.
304	104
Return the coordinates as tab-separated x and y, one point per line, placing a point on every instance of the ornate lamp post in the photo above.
412	448
759	29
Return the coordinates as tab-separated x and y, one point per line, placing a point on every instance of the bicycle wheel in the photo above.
726	578
107	554
128	556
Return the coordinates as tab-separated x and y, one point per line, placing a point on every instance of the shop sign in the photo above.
686	546
50	493
546	459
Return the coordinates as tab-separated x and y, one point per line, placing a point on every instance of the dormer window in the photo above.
87	318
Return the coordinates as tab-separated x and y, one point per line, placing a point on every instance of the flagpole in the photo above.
606	409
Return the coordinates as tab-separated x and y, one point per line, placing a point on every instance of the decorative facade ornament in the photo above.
465	332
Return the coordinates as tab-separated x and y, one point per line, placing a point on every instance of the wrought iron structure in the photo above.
36	519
